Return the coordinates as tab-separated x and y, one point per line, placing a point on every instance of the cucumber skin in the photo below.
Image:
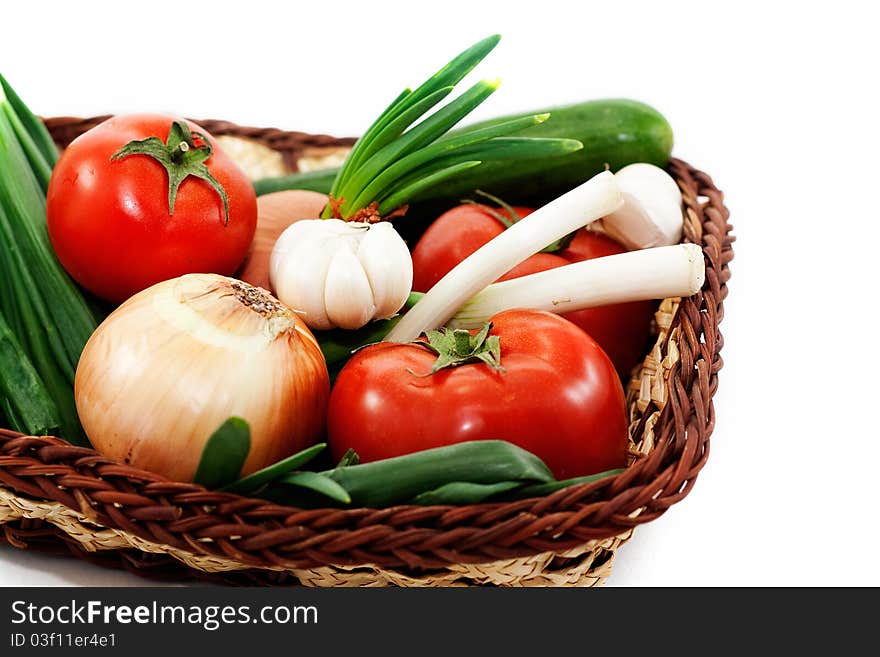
615	132
313	181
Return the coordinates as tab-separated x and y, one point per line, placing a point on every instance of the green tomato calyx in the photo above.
181	157
458	347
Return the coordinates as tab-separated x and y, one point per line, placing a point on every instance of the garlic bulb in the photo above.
336	273
651	212
172	363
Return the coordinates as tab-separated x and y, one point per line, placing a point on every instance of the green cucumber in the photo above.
614	132
320	180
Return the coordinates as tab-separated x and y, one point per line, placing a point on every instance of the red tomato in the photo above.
558	397
452	237
110	224
620	329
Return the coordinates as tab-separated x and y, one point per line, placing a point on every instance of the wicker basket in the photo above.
54	496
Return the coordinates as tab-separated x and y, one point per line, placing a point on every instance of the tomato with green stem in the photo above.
530	377
144	198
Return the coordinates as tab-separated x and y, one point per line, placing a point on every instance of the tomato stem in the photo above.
181	158
459	347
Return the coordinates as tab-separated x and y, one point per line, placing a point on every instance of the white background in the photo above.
776	101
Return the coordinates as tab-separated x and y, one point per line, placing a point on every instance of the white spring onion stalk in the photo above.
174	362
584	204
666	271
335	273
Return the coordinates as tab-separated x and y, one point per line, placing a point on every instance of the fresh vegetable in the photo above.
341	273
24	399
665	271
621	329
614	133
145	198
607	296
535	380
462	473
463	492
606	287
546	488
275	212
399	479
460	492
338	345
651	211
389	164
257	480
318	180
224	454
318	483
34	139
592	200
496	464
45	312
172	363
455	235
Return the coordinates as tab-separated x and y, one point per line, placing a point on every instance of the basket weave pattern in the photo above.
54	496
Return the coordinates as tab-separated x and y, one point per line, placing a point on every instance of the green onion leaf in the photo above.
399	479
27	403
356	153
539	490
424	133
437	150
410	189
448	76
463	492
41	168
318	483
257	480
31	123
225	454
36	330
25	207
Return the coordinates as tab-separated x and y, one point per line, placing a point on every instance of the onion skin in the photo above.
275	212
159	376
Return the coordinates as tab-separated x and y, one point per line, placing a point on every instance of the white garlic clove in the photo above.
291	238
651	213
388	265
348	297
301	267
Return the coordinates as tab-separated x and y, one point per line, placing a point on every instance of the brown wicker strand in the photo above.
291	145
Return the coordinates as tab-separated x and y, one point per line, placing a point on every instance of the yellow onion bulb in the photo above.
176	360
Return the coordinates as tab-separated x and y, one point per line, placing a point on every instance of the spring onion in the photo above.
395	160
24	399
666	271
588	202
41	305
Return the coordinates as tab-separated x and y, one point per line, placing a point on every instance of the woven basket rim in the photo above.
260	533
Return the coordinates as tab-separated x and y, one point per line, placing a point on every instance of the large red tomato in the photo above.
558	397
620	329
110	219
